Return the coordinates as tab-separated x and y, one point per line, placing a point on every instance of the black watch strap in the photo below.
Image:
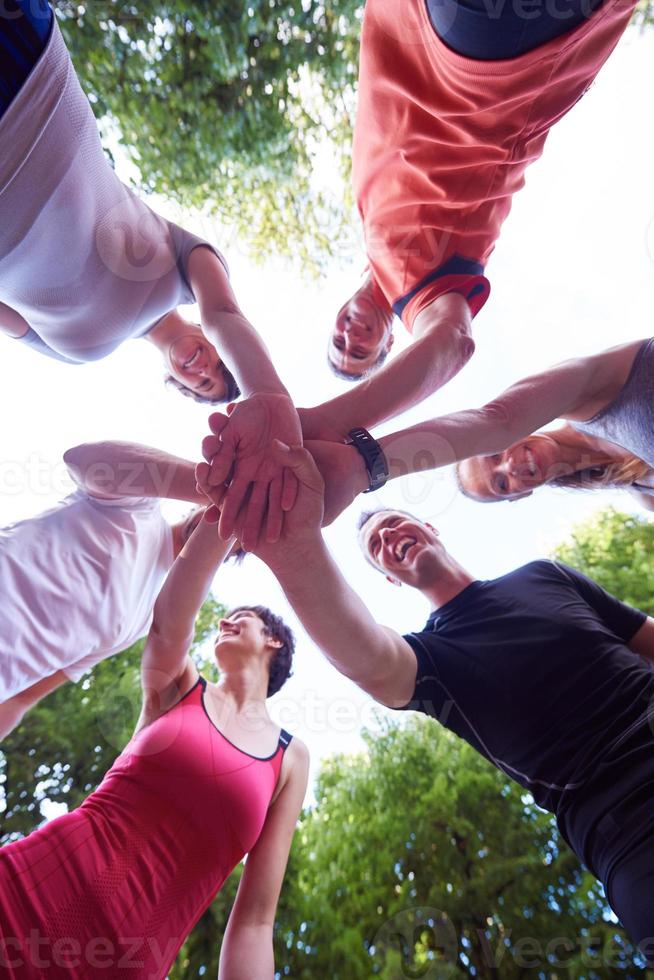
373	457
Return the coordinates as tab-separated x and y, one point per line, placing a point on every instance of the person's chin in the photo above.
404	573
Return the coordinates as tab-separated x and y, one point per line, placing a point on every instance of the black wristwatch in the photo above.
373	457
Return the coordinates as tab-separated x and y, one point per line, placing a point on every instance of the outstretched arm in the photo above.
247	949
442	345
267	412
375	657
120	469
167	671
574	389
228	329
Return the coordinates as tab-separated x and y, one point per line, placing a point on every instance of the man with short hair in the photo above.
79	581
542	671
455	101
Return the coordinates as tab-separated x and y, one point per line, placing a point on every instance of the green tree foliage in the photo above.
66	743
617	550
421	859
227	106
199	954
223	105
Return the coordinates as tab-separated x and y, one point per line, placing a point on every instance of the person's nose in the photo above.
354	329
506	467
205	370
386	536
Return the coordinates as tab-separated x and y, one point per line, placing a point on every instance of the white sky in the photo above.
573	274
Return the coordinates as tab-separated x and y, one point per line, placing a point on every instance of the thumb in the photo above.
217	422
298	460
292	457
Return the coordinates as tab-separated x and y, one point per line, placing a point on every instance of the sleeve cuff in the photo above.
474	288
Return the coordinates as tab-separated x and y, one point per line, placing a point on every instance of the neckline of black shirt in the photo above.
458	600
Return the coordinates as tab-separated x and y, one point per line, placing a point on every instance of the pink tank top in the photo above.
114	887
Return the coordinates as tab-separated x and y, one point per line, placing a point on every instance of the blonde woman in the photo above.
608	441
510	475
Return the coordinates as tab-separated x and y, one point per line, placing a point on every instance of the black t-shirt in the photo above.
533	670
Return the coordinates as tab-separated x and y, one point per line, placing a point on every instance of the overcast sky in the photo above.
572	274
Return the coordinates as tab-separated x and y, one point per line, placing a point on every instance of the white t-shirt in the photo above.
83	260
77	584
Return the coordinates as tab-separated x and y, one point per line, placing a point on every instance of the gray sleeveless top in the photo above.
628	420
83	259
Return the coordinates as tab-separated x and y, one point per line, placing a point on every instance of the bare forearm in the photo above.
520	410
245	353
188	582
442	441
14	709
330	611
12	713
247	953
223	323
131	469
440	351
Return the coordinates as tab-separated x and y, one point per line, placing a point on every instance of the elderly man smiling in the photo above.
542	671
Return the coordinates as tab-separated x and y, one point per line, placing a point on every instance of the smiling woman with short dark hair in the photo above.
206	778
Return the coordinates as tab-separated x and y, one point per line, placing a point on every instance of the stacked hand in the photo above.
339	469
243	476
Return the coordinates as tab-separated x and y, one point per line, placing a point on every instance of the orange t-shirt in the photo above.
442	142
